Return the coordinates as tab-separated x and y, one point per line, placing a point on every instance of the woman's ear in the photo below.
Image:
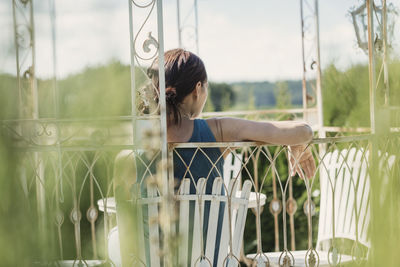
197	89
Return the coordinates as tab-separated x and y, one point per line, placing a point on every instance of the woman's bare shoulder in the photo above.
213	125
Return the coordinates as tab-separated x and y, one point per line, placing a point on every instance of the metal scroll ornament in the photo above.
75	216
150	41
312	258
59	218
92	214
23	33
261	261
306	207
275	206
334	256
146	53
286	259
291	206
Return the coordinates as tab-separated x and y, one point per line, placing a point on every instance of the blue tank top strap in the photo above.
201	132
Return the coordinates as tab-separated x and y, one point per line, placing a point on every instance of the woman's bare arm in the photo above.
273	132
291	133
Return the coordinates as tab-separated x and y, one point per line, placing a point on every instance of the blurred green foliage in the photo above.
18	241
346	94
263	95
282	95
95	92
221	95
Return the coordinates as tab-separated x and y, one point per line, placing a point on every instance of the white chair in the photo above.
232	170
228	256
345	191
344	208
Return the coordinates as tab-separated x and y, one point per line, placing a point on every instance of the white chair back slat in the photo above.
324	191
359	174
198	221
363	200
328	173
345	210
359	179
239	226
114	248
233	186
348	173
232	167
154	237
213	222
184	223
341	189
223	251
225	235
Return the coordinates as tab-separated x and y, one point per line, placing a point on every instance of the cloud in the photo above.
238	51
257	41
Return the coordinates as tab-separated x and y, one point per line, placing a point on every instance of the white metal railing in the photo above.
76	176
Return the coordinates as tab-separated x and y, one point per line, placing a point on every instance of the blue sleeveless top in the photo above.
200	161
201	166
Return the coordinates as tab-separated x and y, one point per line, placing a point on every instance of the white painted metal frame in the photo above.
188	24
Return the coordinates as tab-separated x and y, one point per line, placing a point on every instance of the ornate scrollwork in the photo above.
275	206
291	206
306	207
150	41
189	36
203	261
92	214
28	73
75	215
357	253
59	218
334	257
233	261
44	130
146	54
286	259
142	5
135	261
312	258
23	36
260	262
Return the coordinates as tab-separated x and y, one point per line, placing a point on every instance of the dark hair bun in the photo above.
170	96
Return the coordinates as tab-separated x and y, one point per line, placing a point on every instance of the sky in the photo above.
254	40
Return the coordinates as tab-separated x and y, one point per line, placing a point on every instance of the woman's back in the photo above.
199	163
196	163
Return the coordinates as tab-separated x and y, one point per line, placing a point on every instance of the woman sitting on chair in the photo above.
186	93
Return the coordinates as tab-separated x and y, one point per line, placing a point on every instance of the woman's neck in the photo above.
180	132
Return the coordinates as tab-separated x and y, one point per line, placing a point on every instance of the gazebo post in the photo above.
24	38
188	22
321	130
371	65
